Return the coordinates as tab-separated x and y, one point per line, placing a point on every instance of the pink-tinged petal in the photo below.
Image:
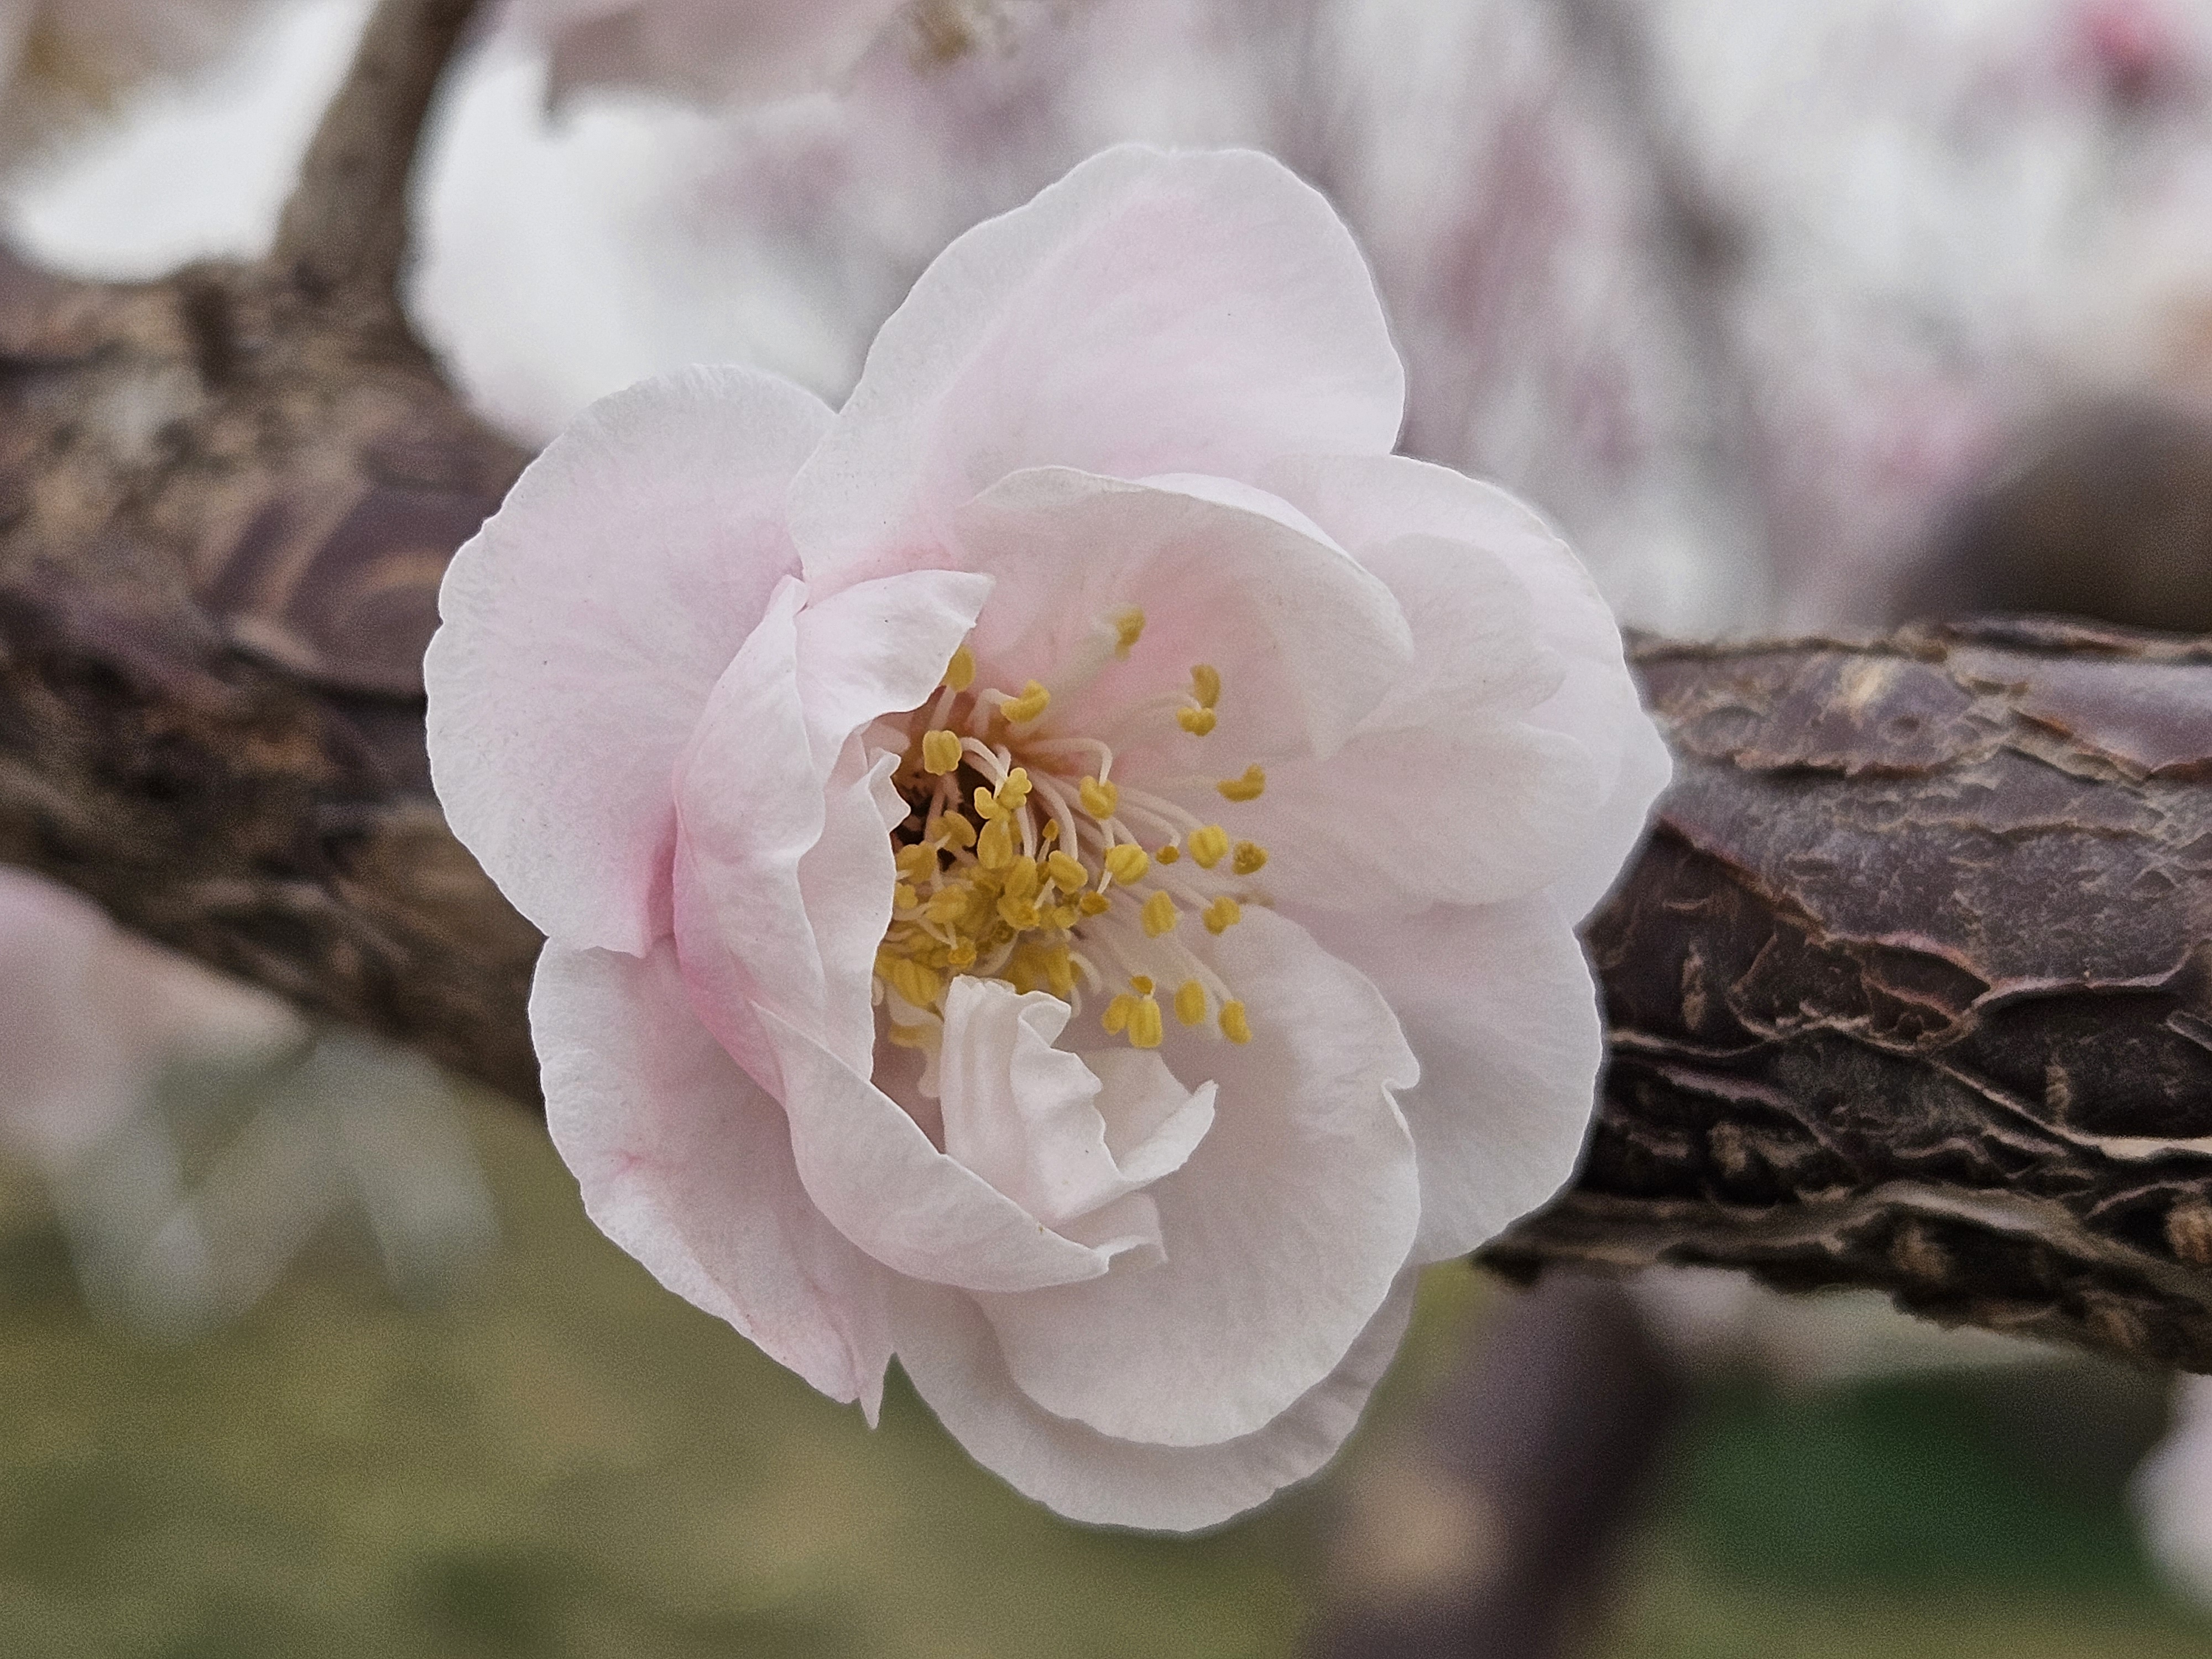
585	626
1283	1232
686	1164
1038	1123
1307	640
70	1073
783	869
947	1348
1367	503
1151	313
1451	790
1500	1008
871	1170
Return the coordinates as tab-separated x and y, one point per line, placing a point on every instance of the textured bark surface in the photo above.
1912	987
226	500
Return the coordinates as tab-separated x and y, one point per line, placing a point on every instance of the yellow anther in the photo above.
1234	1025
1251	859
1190	1002
1067	873
1206	684
903	897
1060	971
1146	1027
962	954
1093	904
1224	913
960	672
1099	799
919	985
1022	879
1196	721
1127	862
995	847
953	831
1020	915
1129	628
1250	786
908	1036
1142	984
1015	790
949	904
1031	703
987	804
1168	855
1115	1019
1159	915
1063	916
1209	845
940	752
1051	832
916	863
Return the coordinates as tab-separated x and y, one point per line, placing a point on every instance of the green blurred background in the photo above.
558	1458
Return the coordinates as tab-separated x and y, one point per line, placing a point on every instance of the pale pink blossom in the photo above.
1065	871
704	49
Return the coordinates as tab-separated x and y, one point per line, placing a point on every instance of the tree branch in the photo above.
1913	987
345	226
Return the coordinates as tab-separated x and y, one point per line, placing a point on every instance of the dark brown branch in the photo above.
345	226
1913	988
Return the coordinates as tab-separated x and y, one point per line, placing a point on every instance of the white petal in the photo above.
1032	1120
946	1347
585	627
1307	640
686	1164
1149	314
874	1174
1501	1011
783	872
1283	1232
1368	501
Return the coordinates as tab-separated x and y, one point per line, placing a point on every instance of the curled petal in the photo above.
946	1346
686	1164
1283	1232
585	625
1500	1008
1307	641
1061	1138
872	1170
783	871
1149	314
1451	790
1368	503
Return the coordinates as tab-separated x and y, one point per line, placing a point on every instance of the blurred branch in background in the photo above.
1489	1527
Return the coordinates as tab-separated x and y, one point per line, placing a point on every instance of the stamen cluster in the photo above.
1024	861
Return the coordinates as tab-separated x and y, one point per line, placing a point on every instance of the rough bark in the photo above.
1912	987
225	499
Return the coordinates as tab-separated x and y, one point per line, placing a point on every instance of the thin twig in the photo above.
346	223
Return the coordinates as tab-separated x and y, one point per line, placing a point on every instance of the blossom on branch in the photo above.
1065	871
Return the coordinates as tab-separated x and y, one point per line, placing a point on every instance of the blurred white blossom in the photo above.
183	1204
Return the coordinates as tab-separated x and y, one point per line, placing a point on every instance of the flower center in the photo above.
1024	860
